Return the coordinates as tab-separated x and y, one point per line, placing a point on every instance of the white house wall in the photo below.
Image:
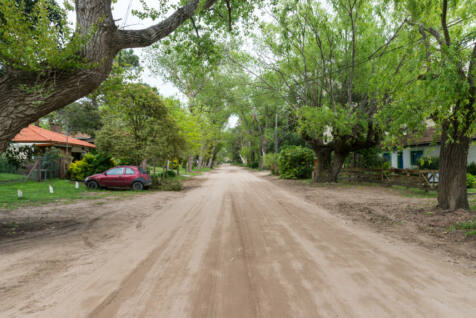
428	151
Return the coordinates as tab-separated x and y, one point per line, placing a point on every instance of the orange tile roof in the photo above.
39	135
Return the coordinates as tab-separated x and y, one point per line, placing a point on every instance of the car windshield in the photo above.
141	170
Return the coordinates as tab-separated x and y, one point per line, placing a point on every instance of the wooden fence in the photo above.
425	179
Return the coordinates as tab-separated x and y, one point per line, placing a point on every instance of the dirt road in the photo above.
237	246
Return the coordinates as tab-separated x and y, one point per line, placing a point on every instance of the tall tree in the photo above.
437	82
320	59
135	122
49	67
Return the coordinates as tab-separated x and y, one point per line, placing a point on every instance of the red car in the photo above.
120	177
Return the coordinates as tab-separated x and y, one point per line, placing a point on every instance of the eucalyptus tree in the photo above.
47	67
437	83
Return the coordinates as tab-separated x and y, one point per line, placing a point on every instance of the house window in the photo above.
387	157
415	157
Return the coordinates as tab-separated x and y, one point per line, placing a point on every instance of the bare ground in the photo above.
238	245
383	209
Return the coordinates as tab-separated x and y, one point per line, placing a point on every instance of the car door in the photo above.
113	177
129	176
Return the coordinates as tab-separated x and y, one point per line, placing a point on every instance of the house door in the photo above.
400	160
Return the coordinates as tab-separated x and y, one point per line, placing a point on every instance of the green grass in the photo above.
11	177
183	173
469	227
415	192
193	173
38	193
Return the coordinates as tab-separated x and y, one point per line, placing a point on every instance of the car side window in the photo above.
115	172
130	171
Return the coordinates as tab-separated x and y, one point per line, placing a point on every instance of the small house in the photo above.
43	139
416	148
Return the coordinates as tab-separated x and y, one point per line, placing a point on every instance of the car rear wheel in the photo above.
137	186
92	185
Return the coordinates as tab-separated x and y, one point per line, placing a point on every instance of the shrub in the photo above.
166	184
472	168
270	162
168	174
171	185
253	164
90	164
295	162
368	159
470	181
430	163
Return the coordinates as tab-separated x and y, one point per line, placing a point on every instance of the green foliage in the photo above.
295	162
137	125
89	165
35	36
81	116
166	184
469	227
370	158
14	157
470	181
167	174
270	162
430	163
472	168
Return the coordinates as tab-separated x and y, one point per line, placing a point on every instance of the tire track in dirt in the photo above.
136	280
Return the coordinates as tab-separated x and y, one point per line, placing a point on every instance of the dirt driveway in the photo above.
236	246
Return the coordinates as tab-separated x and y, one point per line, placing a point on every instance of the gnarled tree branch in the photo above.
150	35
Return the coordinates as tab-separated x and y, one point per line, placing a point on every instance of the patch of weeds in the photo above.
167	185
415	192
469	227
428	213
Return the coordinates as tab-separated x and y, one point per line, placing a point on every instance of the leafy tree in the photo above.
437	82
321	61
137	125
50	66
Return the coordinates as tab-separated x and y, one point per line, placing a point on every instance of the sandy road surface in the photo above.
238	246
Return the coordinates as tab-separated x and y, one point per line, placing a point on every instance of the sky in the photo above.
165	88
119	12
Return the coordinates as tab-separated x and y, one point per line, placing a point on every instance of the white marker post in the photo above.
51	189
20	194
76	185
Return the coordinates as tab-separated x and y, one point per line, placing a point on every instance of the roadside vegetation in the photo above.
318	87
34	193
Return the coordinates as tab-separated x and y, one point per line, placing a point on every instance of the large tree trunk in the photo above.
190	163
337	163
321	170
212	157
200	157
452	193
26	96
